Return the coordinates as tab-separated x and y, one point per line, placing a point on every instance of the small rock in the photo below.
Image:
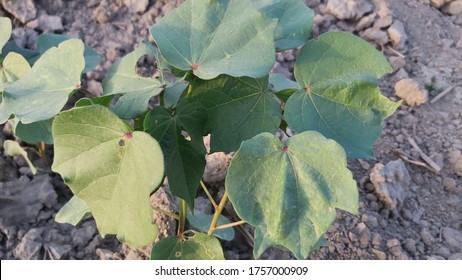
104	254
400	75
381	8
383	22
374	35
23	10
370	221
46	23
364	238
439	3
82	236
399	253
456	256
95	87
411	92
397	35
393	243
136	6
390	182
365	22
410	245
427	237
449	184
455	159
454	8
348	9
216	167
443	251
452	237
379	254
397	62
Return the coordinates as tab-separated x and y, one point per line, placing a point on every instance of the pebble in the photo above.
399	253
364	238
381	8
393	243
104	254
136	6
379	254
376	240
348	9
370	221
397	35
410	245
454	8
427	237
443	251
374	35
452	237
23	10
383	22
412	93
365	22
397	62
439	3
46	23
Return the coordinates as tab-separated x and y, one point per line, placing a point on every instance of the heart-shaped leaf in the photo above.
5	26
43	91
123	79
184	159
238	109
213	37
295	21
111	168
199	246
340	96
289	193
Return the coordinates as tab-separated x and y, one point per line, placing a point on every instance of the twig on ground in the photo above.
446	91
402	155
435	168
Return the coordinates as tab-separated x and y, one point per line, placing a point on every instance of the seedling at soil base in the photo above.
214	59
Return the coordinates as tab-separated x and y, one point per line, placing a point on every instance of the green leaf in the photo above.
172	94
48	40
14	67
213	37
295	21
289	193
201	222
184	159
44	90
5	26
73	211
199	246
282	87
123	79
236	115
11	46
111	168
340	96
35	132
13	149
101	100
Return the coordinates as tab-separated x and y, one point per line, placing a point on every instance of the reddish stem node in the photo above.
195	67
128	136
285	149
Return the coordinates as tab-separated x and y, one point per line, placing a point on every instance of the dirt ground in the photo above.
410	195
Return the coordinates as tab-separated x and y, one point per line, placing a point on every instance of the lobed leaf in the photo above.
340	96
123	79
111	168
184	159
289	193
199	246
213	37
295	21
237	108
43	91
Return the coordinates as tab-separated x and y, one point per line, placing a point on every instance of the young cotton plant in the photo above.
115	154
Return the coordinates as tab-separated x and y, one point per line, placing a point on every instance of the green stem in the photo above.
215	205
172	215
182	218
217	214
230	225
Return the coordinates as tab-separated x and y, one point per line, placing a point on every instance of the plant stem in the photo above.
217	213
182	218
171	215
215	205
230	225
